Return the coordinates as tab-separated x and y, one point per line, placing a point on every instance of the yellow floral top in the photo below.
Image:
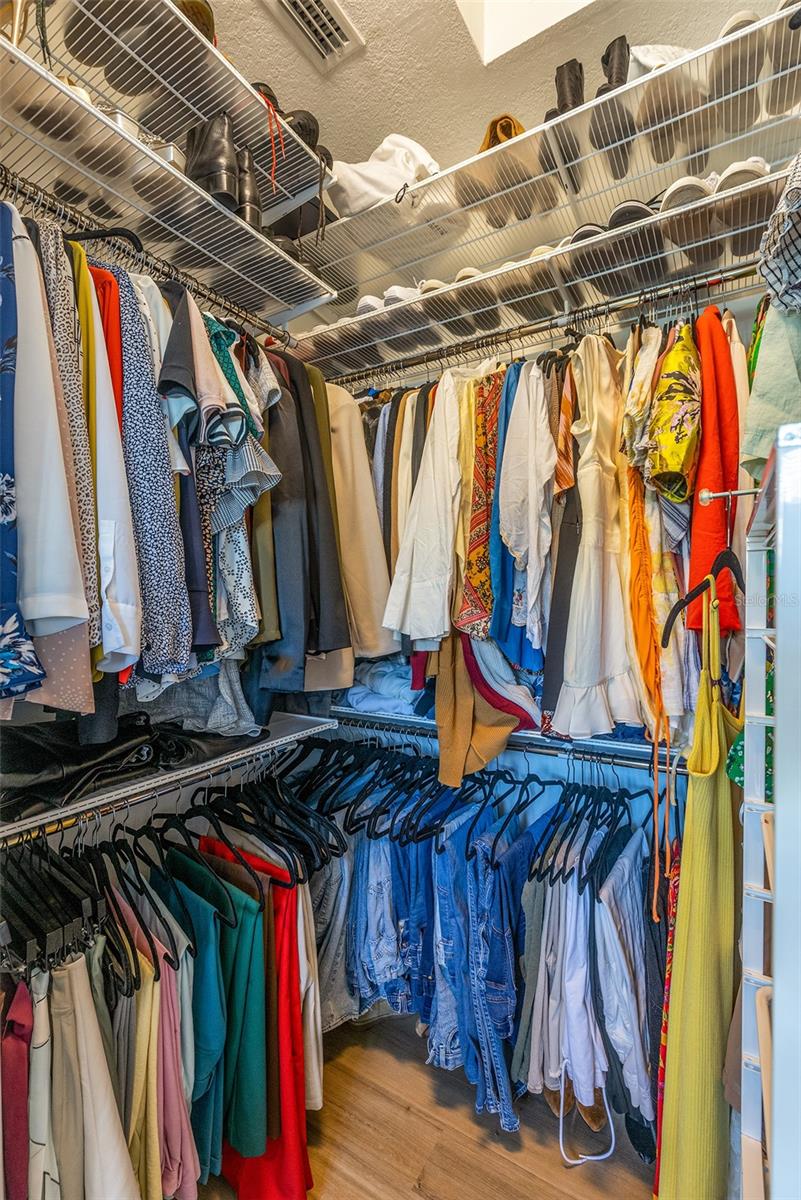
674	432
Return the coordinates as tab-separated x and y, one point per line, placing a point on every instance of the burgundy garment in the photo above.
419	662
14	1050
488	693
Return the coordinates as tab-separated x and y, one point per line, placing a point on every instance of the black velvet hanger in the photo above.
726	560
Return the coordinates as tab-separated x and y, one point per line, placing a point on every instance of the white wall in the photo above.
420	73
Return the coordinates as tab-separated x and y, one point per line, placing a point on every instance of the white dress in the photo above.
598	688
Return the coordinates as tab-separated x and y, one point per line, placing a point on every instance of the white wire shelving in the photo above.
705	239
71	150
285	730
785	1132
147	59
732	99
757	804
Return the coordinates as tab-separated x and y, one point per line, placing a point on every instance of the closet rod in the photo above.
689	286
139	791
14	187
603	751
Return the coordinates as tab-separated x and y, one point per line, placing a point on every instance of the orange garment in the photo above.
501	129
108	299
565	475
641	597
471	731
432	395
718	466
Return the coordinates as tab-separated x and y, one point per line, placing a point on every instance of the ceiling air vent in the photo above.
322	29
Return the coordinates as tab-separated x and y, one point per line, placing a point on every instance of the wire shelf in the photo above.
285	729
735	98
71	150
710	237
146	58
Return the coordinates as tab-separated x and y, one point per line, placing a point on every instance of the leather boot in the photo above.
305	125
612	127
569	85
249	208
211	159
567	145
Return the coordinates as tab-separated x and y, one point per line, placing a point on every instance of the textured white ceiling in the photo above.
420	73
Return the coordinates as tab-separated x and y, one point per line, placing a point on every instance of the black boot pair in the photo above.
229	175
612	127
560	149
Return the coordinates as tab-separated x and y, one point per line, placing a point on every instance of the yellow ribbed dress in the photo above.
695	1134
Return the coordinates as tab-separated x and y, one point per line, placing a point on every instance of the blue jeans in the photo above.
331	893
494	1090
507	930
453	1034
375	963
413	902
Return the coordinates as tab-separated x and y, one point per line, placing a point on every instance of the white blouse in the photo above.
419	602
120	598
50	590
526	487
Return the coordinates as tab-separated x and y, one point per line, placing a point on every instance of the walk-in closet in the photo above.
400	636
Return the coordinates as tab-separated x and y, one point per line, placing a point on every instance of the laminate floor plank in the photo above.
393	1128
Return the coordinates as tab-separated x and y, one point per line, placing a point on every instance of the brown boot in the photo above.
553	1098
594	1114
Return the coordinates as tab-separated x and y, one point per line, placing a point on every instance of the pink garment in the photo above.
180	1166
488	693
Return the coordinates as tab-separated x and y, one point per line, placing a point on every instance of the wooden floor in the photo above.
393	1128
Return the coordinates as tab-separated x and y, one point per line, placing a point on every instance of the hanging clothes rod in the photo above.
14	187
288	730
706	497
686	289
602	751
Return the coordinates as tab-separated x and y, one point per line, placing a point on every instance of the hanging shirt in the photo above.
49	578
419	603
20	668
167	616
120	597
529	462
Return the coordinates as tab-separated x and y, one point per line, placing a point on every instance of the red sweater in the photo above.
717	466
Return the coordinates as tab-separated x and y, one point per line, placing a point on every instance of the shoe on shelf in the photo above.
482	299
594	266
746	215
305	125
503	186
367	305
201	14
211	160
449	311
569	82
288	246
612	127
532	293
249	207
640	253
734	73
700	234
784	53
567	153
